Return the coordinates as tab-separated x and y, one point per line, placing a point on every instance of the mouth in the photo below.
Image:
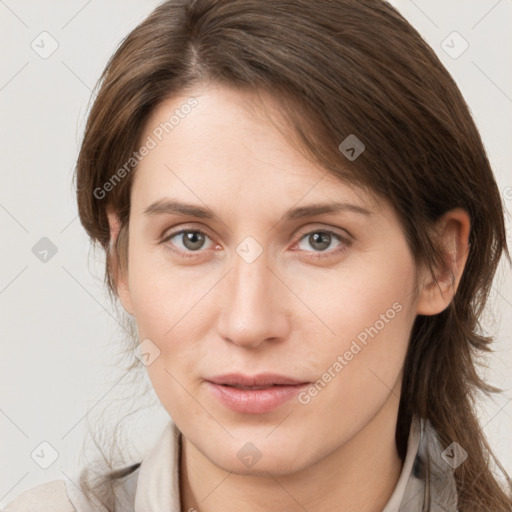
254	394
238	386
262	380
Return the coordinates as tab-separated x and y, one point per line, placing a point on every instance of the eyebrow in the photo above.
170	206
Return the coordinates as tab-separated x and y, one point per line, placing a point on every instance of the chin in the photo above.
275	465
258	458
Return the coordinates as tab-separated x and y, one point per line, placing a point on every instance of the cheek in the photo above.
171	309
369	311
162	295
367	295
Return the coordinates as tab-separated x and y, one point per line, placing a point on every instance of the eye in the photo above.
187	240
321	240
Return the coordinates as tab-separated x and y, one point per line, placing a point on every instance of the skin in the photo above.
286	312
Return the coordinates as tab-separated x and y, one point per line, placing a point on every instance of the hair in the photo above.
336	67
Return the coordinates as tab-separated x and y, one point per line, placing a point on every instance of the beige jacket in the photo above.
154	486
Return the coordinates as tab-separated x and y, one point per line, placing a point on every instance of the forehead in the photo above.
221	144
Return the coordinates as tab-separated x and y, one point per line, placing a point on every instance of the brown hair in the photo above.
338	67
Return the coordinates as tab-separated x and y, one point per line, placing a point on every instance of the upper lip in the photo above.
262	379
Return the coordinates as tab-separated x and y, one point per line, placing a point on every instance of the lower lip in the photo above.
257	401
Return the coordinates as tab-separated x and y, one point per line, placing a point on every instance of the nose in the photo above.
254	311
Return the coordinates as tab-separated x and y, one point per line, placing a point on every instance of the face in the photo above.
263	283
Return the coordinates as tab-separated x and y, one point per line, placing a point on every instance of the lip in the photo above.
277	390
262	379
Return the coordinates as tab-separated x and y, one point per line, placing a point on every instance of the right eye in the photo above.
189	241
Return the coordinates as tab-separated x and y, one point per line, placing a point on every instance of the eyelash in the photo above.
316	255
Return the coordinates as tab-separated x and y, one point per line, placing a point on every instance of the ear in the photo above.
434	297
120	275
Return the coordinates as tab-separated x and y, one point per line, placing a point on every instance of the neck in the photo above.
359	475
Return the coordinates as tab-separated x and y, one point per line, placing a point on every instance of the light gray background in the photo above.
59	337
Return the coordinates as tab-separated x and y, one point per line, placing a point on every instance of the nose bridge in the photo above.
252	312
251	279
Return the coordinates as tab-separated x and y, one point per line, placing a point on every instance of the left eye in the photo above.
321	240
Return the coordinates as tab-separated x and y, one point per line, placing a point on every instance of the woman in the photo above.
299	214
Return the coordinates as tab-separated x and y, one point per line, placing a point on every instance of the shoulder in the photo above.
47	497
